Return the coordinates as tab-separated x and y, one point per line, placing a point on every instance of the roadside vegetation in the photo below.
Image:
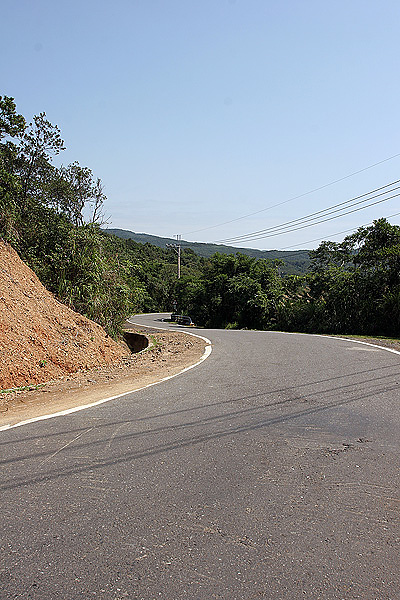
53	216
352	287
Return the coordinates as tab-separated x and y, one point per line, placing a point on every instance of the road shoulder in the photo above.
169	354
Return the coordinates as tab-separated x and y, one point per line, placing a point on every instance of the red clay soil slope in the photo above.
40	338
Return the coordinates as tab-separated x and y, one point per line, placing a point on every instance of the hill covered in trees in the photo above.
52	216
294	262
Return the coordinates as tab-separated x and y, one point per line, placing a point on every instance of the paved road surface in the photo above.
271	471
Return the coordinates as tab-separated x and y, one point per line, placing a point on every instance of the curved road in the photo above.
271	470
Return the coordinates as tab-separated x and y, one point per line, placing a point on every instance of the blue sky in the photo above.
194	113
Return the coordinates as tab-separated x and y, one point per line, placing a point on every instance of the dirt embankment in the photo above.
40	338
44	342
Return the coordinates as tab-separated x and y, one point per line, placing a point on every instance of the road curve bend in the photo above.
270	471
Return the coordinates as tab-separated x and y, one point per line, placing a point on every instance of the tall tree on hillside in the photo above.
11	123
74	192
331	254
40	143
377	247
12	126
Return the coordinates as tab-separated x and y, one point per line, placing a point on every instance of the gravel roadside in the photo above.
168	354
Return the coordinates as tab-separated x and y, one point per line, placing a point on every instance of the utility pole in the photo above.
177	248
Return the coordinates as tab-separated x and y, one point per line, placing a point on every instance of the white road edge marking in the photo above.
68	411
360	342
336	337
206	354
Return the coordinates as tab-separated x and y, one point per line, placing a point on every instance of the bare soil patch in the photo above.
168	355
40	338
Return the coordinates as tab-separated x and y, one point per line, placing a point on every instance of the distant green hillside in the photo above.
295	262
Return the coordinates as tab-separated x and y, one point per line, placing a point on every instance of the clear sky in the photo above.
194	113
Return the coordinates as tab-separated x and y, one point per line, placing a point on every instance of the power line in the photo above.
332	235
295	197
295	252
315	215
324	220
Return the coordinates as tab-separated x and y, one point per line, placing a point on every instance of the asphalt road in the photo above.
271	470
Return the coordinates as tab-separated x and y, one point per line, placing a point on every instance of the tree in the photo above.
40	143
72	190
330	254
12	125
235	290
355	285
378	247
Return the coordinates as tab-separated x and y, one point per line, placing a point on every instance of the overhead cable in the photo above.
352	202
257	212
296	252
332	235
336	208
324	220
337	216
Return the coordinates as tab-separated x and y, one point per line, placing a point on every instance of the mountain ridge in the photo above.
295	262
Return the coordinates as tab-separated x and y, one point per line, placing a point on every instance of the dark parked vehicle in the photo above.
181	319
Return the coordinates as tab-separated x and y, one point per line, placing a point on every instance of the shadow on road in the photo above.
223	423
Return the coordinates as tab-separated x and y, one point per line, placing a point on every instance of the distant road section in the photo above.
270	470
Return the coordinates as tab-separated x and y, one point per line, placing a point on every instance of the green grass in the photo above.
154	343
154	340
23	388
